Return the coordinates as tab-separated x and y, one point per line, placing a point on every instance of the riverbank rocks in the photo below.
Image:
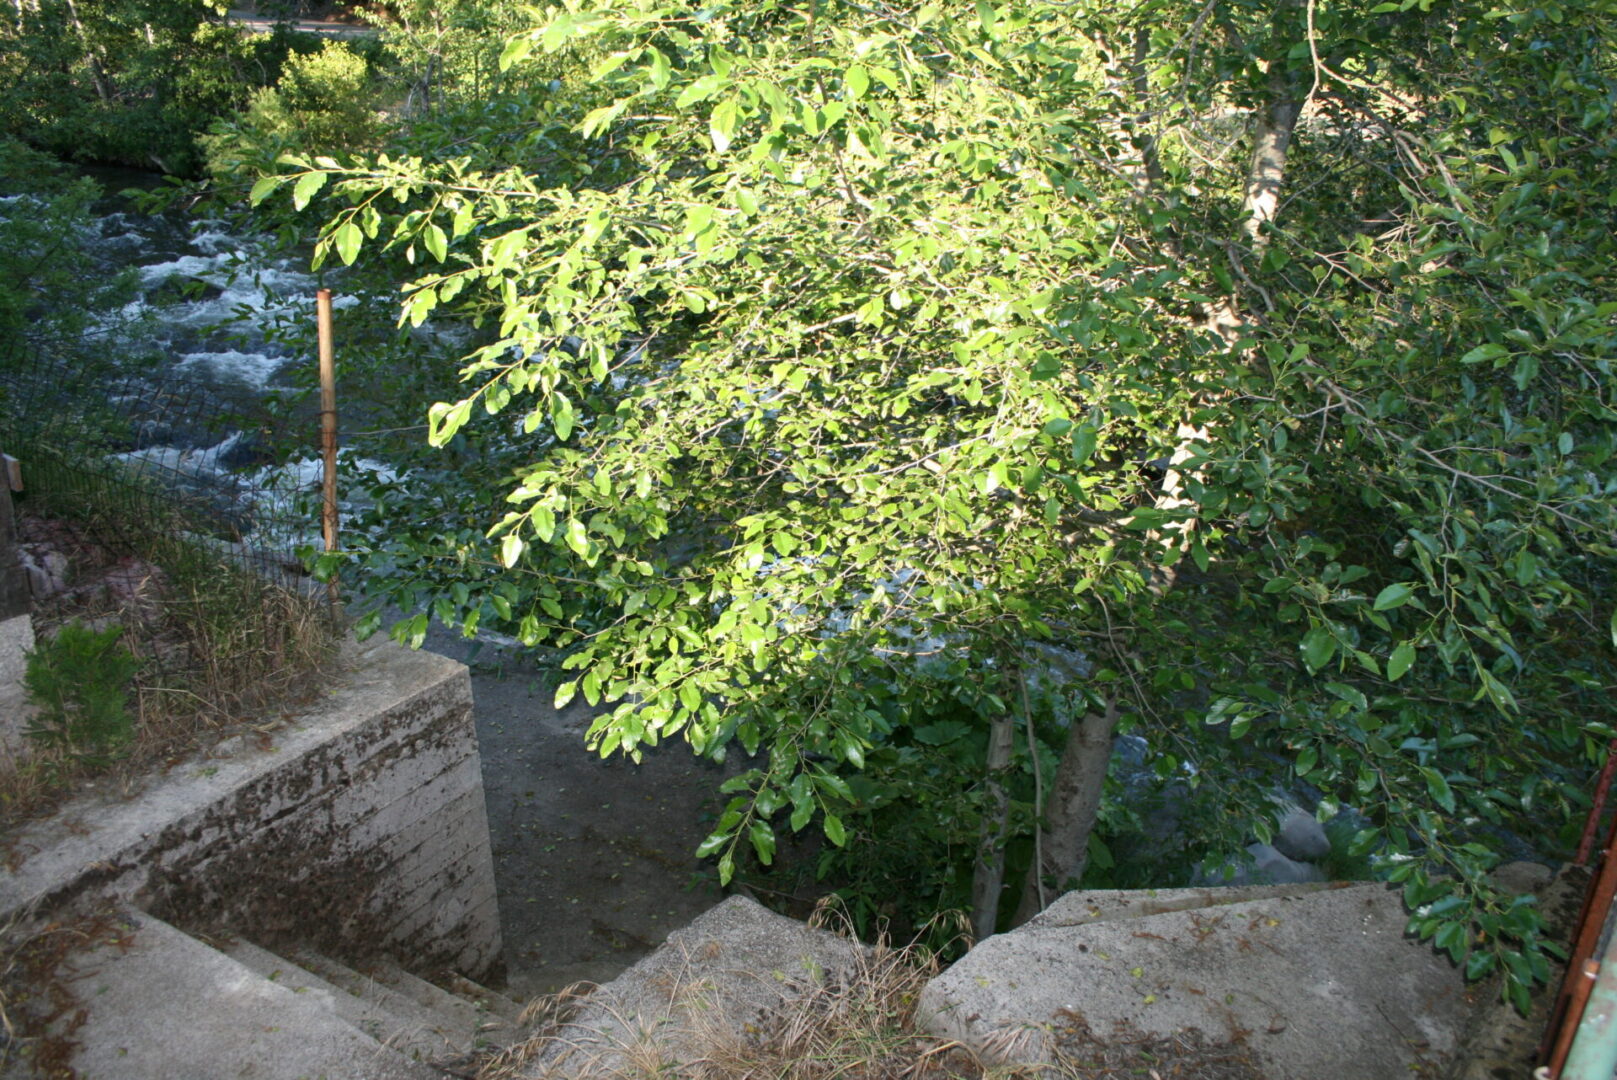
1308	984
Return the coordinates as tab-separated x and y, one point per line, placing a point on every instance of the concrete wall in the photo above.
16	640
357	826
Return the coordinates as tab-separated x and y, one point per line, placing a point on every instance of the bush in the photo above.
323	103
80	680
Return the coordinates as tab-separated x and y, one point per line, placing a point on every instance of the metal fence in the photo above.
173	509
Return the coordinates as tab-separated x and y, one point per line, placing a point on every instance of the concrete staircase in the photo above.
154	1003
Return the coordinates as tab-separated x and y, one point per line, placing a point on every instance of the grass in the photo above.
215	642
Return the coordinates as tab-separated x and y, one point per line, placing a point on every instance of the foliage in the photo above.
322	103
51	292
127	81
876	334
80	681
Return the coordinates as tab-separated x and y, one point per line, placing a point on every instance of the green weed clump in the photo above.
80	680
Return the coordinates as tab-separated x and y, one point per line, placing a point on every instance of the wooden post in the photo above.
328	438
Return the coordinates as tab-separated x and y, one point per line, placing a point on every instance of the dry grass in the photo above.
220	650
862	1027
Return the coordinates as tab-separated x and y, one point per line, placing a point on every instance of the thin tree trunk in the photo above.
98	74
1270	141
1069	817
988	875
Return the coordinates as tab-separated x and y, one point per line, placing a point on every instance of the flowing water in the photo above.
217	353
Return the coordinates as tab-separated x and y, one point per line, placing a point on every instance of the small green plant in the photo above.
80	680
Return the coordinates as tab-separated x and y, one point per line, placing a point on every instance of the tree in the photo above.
126	81
1252	351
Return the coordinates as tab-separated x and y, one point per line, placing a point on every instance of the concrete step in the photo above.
479	1008
491	1001
430	1031
409	1031
160	1005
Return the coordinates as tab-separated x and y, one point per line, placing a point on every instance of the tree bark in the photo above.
1270	141
988	875
1069	816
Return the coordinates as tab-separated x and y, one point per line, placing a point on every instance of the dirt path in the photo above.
592	858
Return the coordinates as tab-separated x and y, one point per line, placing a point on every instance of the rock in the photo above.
1518	878
1323	984
1112	905
1268	867
45	568
1301	837
721	981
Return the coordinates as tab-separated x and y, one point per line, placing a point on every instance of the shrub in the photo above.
80	680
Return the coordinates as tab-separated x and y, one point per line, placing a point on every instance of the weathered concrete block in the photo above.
1323	984
363	810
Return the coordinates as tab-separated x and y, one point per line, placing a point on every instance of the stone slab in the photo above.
159	1005
1323	984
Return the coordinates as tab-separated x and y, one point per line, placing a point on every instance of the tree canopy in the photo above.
847	361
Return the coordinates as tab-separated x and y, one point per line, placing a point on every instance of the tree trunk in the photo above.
988	875
1069	815
98	74
1270	141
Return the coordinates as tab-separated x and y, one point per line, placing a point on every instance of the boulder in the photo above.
720	982
1323	984
1301	837
1268	867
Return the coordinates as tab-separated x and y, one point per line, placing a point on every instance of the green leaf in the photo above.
1084	437
1438	788
264	188
516	50
721	125
510	549
308	185
1484	352
577	536
763	840
1348	694
1395	595
435	241
348	239
857	80
1318	646
1403	657
561	416
834	831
